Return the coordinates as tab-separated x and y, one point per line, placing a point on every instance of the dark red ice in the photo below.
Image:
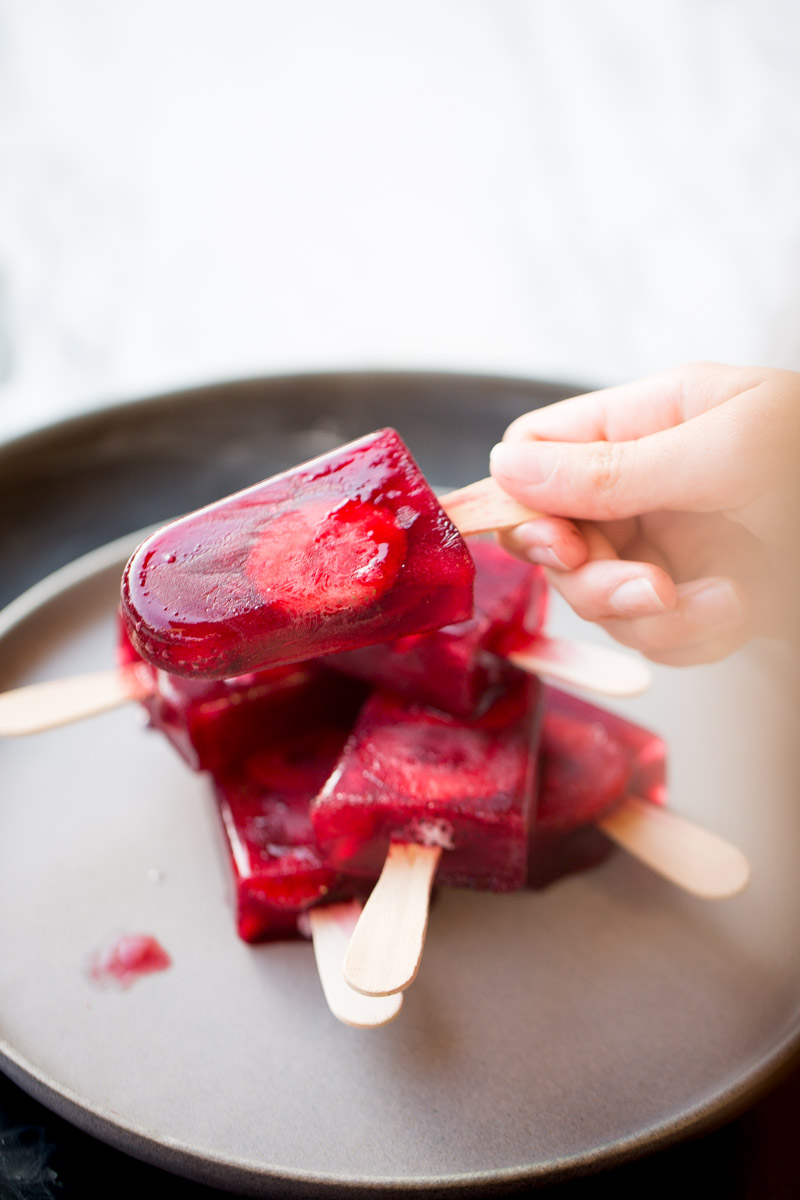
349	549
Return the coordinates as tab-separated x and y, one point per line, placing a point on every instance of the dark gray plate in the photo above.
547	1033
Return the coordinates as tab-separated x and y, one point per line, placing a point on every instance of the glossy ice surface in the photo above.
278	870
346	550
215	724
590	760
458	668
413	774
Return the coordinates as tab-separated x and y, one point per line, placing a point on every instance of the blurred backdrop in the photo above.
581	190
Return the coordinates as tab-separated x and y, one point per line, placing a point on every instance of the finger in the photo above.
710	614
713	462
637	547
609	589
548	542
636	409
712	650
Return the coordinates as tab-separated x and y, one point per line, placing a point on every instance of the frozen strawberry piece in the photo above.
412	774
215	724
346	550
457	668
590	760
278	870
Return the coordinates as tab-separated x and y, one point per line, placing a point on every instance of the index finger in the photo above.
634	410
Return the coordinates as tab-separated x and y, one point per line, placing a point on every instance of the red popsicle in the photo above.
340	552
278	870
590	762
215	724
414	775
438	796
282	886
601	768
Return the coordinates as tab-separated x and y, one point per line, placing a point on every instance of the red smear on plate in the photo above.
127	958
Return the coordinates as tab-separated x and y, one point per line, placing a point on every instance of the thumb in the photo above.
702	465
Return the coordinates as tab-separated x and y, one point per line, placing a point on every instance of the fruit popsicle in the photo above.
278	870
413	775
348	549
216	724
282	887
590	761
608	771
460	668
422	795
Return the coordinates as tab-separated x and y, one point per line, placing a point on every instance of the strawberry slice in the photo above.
327	560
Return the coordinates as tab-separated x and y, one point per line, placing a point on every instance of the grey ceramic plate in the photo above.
547	1033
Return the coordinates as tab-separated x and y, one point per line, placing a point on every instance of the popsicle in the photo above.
413	774
590	761
278	868
216	724
340	552
417	794
599	771
283	888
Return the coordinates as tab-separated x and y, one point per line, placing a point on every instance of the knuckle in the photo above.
606	468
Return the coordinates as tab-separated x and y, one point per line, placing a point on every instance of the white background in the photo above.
576	189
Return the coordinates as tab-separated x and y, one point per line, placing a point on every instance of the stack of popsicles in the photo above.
351	675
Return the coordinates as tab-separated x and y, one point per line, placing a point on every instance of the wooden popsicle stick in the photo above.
38	707
41	706
599	669
386	947
693	858
483	507
332	927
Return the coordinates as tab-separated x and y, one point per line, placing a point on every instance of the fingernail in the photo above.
636	598
714	603
530	462
528	540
